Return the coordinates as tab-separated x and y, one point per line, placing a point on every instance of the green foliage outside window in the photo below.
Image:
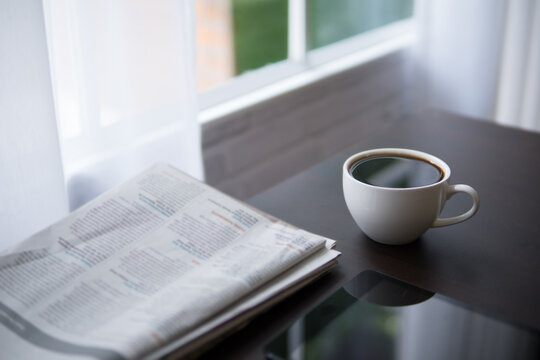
260	32
331	21
261	26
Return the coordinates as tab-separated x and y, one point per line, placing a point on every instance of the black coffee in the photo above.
395	171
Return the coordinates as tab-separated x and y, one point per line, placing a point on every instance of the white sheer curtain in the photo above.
460	44
122	74
519	90
124	80
32	191
481	58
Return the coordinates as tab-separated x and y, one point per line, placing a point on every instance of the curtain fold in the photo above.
124	82
519	88
91	93
458	54
32	193
481	58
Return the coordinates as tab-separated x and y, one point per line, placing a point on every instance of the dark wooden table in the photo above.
490	263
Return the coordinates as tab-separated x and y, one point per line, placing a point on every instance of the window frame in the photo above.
303	66
277	79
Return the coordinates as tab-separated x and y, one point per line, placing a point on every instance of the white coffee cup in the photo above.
398	216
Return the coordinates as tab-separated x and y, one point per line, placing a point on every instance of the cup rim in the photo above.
399	152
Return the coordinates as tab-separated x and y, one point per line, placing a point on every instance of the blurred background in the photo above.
239	93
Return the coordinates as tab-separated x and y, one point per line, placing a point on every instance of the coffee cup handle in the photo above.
453	189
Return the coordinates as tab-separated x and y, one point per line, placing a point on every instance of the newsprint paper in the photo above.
161	263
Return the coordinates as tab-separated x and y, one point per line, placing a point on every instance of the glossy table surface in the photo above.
490	263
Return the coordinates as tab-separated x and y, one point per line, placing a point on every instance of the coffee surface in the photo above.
395	172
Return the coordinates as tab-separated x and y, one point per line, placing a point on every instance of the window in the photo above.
332	21
236	37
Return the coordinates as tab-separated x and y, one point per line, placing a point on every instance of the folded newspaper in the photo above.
161	264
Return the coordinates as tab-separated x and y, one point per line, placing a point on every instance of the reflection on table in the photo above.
377	317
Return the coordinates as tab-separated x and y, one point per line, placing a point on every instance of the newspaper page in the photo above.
254	303
147	262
